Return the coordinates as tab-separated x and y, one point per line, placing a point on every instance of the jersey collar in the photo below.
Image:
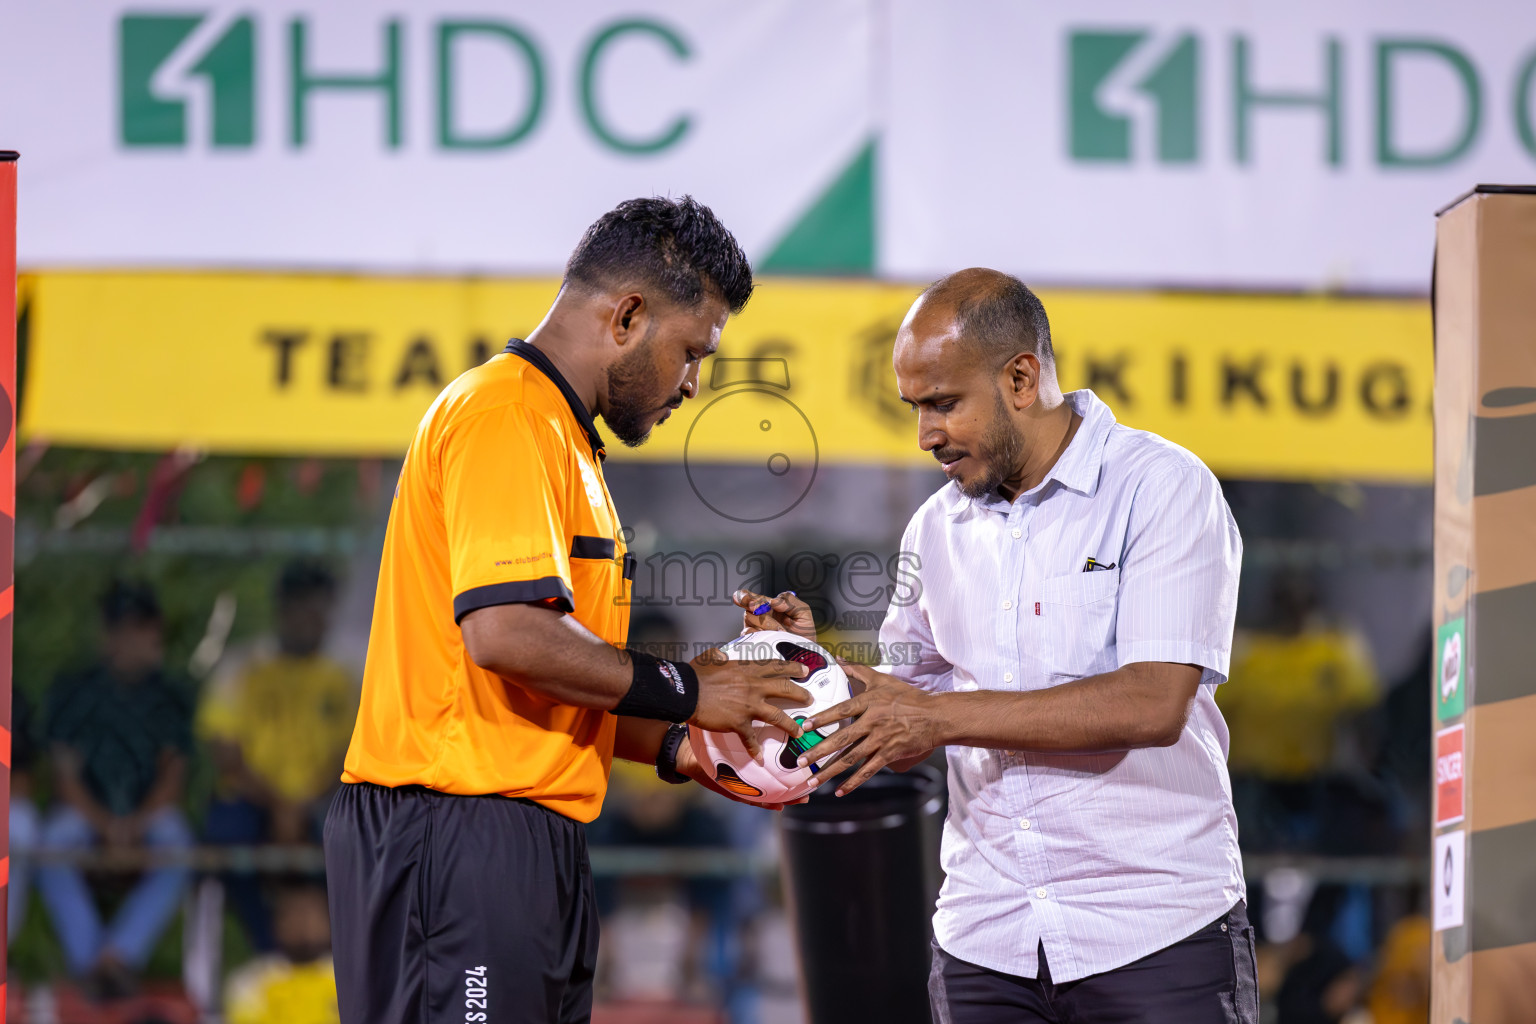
519	347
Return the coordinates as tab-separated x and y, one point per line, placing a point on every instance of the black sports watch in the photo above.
666	757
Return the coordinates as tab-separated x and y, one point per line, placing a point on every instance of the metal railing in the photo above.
648	861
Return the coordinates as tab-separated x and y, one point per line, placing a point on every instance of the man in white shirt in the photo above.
1078	588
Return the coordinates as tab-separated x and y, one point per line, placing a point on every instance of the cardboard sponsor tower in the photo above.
1484	716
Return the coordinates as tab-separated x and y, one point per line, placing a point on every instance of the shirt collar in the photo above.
1078	467
519	347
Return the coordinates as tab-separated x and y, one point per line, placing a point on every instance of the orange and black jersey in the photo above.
501	501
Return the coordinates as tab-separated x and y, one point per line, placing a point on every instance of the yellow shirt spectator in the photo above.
273	991
1285	694
1400	993
291	718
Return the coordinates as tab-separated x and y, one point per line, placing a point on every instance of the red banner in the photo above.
1450	775
7	511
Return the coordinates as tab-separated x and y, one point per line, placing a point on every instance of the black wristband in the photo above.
666	757
665	690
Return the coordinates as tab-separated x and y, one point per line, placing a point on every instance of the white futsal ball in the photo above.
778	779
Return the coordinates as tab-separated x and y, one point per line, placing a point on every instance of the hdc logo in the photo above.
1165	72
172	65
152	93
1137	94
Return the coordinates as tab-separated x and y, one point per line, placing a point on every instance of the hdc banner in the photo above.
1197	142
1193	143
443	135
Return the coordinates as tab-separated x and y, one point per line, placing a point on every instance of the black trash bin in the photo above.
862	873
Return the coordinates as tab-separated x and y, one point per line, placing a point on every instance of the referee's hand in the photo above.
734	694
689	765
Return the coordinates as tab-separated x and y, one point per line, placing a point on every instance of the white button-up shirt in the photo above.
1107	857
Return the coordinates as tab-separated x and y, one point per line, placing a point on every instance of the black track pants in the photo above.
458	909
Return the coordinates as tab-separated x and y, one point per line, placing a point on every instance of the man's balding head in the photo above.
992	314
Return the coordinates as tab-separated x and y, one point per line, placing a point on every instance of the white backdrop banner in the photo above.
445	135
1198	142
1191	143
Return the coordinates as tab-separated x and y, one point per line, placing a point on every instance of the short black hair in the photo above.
304	577
128	602
997	313
676	245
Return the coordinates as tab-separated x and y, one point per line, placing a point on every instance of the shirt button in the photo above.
1039	894
1024	824
1017	534
1007	677
1007	605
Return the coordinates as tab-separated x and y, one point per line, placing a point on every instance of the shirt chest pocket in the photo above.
1076	634
600	560
601	571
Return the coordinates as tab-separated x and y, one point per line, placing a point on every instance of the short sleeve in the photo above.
340	699
218	714
217	719
1178	575
907	648
504	485
1358	686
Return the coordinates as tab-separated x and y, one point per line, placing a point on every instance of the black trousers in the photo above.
458	909
1208	978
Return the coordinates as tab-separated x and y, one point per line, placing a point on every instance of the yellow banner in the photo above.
1258	386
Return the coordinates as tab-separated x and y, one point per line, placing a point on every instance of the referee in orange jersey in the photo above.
497	691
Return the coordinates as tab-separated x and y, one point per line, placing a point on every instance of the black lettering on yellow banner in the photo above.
1258	386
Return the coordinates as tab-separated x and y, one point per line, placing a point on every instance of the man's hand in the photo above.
734	694
894	722
785	612
689	765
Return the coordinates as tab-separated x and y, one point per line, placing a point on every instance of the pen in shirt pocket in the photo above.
1094	564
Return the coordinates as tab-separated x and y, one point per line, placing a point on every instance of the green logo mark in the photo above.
799	745
1172	84
1451	669
150	118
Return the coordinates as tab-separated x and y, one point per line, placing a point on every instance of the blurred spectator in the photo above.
1400	993
119	735
1294	689
297	984
23	816
277	724
1322	983
770	992
660	937
657	633
1403	757
762	985
662	940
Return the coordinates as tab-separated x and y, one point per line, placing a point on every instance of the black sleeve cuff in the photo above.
550	588
592	547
